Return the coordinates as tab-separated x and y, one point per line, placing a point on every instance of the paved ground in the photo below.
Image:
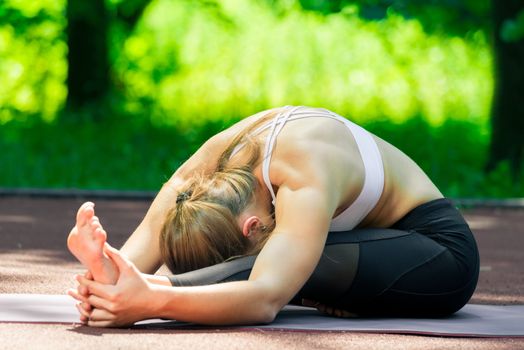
34	259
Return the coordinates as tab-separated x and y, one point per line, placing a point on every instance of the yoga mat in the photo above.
471	321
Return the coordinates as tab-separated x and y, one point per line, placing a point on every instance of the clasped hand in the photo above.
118	305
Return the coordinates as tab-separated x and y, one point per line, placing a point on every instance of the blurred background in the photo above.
115	94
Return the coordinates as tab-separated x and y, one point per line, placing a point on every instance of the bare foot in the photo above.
86	242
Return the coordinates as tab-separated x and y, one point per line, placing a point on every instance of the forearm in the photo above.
142	247
243	302
157	280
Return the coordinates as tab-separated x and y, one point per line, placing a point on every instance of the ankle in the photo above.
104	271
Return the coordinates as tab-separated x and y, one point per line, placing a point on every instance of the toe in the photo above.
95	222
85	216
100	235
81	215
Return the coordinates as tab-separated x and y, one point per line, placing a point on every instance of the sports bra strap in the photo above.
276	126
374	172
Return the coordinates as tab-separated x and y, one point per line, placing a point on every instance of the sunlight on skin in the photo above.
86	242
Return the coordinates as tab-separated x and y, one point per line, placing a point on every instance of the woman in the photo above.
282	184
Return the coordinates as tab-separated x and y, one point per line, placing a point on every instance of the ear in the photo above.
250	226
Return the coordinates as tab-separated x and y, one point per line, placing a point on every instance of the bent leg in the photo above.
426	266
329	283
411	275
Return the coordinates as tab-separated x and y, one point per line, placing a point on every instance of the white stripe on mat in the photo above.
471	321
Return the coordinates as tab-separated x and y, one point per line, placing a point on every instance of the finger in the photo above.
325	309
99	303
101	318
100	324
82	300
82	311
309	303
101	315
346	314
83	319
331	311
73	293
328	310
93	287
86	306
89	275
82	290
121	261
321	307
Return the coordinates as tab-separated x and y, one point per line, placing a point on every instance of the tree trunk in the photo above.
507	120
88	79
130	11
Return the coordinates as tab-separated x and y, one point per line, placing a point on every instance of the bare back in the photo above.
310	150
326	150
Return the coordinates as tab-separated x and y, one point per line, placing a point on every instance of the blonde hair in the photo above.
201	229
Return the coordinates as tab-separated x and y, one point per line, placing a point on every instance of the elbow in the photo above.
268	311
267	314
267	303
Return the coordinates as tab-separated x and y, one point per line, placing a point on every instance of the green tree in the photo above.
504	19
507	141
89	67
88	61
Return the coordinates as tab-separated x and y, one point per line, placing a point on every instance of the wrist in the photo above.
158	280
159	301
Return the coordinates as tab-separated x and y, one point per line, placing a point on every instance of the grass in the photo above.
109	155
140	156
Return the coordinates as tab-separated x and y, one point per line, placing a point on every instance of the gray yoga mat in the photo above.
471	321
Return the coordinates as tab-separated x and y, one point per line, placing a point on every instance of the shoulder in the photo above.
243	124
299	162
218	143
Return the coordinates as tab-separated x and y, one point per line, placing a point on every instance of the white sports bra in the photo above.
373	166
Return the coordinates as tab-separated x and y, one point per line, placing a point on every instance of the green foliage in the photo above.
456	17
33	67
513	29
205	67
205	63
106	155
186	69
141	156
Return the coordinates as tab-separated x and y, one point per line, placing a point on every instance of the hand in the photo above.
83	307
328	310
115	305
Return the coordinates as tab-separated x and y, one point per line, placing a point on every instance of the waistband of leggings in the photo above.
428	208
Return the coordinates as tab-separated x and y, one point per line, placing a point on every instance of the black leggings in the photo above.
426	264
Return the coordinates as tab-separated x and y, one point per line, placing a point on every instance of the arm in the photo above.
142	247
157	280
281	269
